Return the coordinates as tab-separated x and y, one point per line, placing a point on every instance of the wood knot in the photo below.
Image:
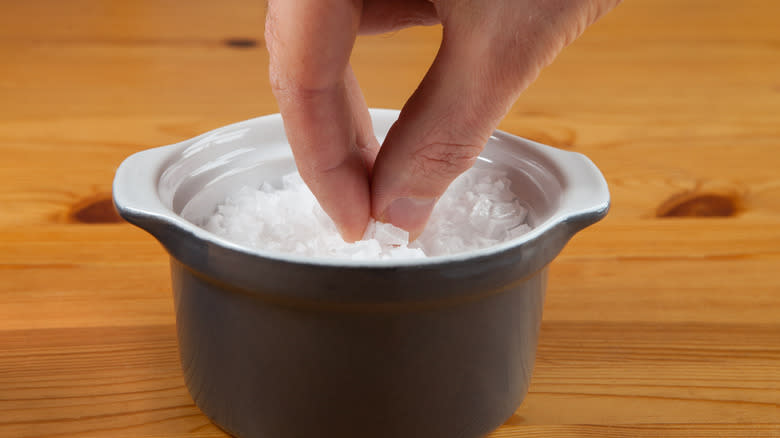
241	43
699	205
97	209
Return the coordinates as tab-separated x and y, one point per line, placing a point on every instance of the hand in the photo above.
490	52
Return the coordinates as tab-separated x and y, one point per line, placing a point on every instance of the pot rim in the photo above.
584	200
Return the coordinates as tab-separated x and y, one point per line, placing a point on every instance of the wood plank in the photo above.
752	186
669	238
664	273
127	295
149	22
93	382
653	326
642	379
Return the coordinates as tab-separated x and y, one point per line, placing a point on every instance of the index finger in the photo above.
309	42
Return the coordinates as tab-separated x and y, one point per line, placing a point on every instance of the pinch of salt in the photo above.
389	234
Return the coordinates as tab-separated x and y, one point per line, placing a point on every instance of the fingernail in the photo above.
409	213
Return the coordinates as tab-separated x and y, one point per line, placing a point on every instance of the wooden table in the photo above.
663	320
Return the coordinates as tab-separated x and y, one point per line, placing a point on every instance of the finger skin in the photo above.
309	42
381	16
365	140
487	58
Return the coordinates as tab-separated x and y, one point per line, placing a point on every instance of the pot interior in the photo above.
202	172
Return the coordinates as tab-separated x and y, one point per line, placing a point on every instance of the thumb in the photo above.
441	131
488	56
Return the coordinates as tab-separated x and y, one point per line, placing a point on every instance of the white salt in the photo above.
478	210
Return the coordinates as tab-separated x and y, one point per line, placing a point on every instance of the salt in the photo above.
478	210
389	234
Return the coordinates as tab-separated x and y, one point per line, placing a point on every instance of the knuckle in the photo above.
445	160
287	87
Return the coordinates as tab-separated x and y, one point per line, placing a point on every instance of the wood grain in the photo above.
659	321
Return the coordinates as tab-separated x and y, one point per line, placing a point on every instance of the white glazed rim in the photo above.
135	190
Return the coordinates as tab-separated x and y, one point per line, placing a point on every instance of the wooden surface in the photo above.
663	320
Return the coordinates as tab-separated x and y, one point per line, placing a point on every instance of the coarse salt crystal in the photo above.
478	210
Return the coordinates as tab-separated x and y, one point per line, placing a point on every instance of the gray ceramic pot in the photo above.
281	346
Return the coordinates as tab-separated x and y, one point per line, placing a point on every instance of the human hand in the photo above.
490	52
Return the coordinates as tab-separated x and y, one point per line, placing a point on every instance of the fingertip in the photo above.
353	228
411	214
350	216
343	193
